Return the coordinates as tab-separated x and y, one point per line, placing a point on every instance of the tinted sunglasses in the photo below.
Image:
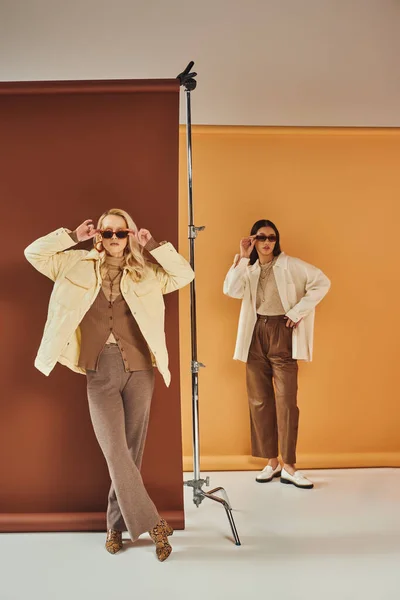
107	234
264	238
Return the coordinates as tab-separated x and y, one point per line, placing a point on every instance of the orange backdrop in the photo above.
334	195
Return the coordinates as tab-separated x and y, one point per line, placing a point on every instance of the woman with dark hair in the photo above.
279	294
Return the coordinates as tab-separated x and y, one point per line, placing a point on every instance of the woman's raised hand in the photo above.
246	246
142	236
86	231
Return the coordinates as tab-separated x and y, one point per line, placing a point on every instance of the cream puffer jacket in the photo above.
77	281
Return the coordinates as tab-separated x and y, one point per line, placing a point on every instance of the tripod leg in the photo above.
223	493
228	511
233	526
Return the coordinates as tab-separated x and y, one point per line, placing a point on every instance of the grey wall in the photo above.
260	62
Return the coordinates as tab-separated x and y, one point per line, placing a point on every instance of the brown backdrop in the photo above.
69	151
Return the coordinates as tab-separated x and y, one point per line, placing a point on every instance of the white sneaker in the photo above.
268	474
297	479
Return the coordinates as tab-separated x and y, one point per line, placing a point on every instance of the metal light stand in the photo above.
189	84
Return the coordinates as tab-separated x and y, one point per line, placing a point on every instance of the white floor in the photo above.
340	541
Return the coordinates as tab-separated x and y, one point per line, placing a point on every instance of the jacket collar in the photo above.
94	255
281	263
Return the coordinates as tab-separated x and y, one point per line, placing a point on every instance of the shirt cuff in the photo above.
73	236
293	315
151	245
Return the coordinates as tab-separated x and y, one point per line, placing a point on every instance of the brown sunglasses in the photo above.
263	238
107	234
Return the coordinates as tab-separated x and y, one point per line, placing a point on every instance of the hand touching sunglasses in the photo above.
142	236
247	244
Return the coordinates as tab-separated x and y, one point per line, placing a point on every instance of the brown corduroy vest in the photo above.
106	317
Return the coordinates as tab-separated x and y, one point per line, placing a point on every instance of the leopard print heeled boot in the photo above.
159	534
113	541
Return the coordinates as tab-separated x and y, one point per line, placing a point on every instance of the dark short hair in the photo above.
255	228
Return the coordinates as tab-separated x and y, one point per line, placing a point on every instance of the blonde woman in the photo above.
106	319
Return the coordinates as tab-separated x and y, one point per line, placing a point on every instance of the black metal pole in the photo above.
195	365
189	83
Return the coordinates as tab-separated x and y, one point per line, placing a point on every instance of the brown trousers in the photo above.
119	405
271	375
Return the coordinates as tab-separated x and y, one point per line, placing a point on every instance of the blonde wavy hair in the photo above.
133	253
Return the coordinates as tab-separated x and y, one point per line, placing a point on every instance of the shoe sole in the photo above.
112	551
268	480
301	487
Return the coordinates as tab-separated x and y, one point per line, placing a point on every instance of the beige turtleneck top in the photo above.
268	301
